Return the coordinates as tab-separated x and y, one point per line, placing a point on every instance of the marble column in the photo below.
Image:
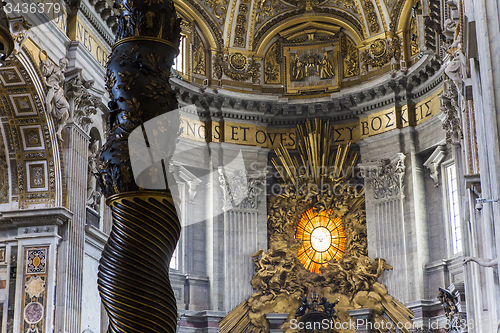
241	230
71	249
386	227
420	211
483	16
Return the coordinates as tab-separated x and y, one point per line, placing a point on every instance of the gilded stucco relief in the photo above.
28	139
291	270
251	28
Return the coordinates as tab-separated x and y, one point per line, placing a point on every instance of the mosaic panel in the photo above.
34	302
10	76
36	260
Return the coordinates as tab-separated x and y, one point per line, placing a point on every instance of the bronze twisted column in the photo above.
133	275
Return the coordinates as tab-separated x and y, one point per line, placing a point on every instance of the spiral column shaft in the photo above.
133	274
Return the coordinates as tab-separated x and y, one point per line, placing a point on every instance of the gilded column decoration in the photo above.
382	52
133	275
350	56
450	300
319	209
272	65
241	24
371	16
414	42
199	55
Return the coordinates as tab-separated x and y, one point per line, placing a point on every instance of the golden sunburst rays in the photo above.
314	144
323	239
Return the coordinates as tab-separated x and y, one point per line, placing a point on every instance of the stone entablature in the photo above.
396	100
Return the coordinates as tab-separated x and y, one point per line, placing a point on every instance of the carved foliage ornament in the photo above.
227	65
199	55
83	104
381	52
241	24
387	179
272	65
371	16
240	191
350	56
266	8
4	174
219	8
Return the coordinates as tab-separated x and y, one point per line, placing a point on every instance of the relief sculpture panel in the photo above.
312	68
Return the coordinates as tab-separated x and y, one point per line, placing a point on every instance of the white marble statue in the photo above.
93	195
484	262
55	102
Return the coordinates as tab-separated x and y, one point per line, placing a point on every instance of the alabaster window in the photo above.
180	61
453	209
323	239
174	262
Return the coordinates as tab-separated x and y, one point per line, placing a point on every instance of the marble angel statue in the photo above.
55	101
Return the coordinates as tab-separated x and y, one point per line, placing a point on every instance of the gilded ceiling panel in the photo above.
28	145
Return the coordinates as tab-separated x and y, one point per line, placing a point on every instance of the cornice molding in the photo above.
35	217
391	89
91	14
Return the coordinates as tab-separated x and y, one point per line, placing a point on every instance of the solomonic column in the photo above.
133	273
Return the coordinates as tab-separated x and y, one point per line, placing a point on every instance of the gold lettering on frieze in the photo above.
253	135
89	40
195	130
428	108
379	122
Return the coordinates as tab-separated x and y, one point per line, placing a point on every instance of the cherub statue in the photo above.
55	101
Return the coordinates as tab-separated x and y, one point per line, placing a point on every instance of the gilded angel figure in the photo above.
327	66
297	73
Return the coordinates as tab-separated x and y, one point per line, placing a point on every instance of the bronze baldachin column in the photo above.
133	272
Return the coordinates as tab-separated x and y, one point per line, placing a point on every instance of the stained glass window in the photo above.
323	239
